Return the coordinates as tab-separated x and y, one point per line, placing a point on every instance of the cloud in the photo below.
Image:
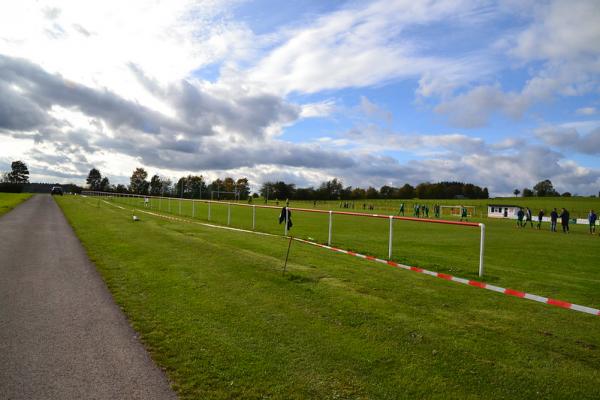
358	46
586	111
570	138
34	92
561	30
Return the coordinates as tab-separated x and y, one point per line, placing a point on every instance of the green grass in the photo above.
8	201
578	207
541	262
215	311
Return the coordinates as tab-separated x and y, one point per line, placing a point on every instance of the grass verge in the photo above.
8	201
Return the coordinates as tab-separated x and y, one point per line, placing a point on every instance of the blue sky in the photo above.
502	94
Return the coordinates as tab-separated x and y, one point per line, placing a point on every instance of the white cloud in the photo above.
586	111
356	47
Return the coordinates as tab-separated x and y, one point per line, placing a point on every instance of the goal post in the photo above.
456	211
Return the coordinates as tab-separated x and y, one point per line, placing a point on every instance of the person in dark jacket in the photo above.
286	213
540	218
528	217
520	215
553	220
592	217
564	220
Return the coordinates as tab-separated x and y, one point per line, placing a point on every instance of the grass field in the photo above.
216	312
578	207
541	262
8	201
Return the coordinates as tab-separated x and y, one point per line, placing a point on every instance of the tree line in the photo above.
191	186
335	190
543	188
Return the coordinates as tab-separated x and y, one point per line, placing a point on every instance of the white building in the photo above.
503	211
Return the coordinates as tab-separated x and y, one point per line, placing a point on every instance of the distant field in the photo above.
215	311
578	207
8	201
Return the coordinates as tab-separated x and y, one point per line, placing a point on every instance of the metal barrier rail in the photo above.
331	213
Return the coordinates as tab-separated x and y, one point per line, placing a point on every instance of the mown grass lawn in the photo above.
215	311
8	201
541	262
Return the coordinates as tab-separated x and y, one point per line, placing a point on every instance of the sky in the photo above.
502	94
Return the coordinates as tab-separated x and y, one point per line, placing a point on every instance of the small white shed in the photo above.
503	211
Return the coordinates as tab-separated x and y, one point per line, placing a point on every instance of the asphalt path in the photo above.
61	334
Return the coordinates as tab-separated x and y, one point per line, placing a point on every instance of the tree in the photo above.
94	179
566	194
121	188
19	173
406	192
527	192
545	188
155	185
105	184
243	188
330	190
387	192
372	193
196	186
138	183
516	192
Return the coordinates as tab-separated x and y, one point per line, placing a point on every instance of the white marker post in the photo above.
228	214
330	223
481	248
391	237
253	217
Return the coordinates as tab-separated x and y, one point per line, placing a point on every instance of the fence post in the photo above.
209	210
330	223
481	249
228	214
391	237
253	217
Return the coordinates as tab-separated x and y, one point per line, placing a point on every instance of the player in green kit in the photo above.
401	211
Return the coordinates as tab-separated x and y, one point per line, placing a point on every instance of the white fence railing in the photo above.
147	202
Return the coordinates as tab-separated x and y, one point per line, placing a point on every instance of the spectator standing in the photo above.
528	217
401	211
520	215
540	218
564	220
592	217
553	220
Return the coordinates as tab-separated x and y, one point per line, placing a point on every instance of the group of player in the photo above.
422	210
524	216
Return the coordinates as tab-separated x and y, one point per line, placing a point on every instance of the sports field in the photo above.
578	207
216	312
8	201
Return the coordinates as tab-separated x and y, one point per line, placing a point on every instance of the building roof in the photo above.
503	205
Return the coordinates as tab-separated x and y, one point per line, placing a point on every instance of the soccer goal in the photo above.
455	211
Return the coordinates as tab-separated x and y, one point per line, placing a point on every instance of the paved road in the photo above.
61	334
